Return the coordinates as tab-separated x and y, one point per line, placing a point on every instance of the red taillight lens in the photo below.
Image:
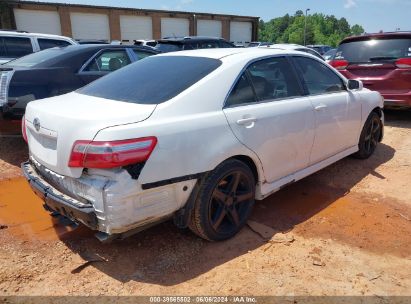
339	64
403	63
23	128
110	154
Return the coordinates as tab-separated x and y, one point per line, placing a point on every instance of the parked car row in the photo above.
17	44
57	71
122	153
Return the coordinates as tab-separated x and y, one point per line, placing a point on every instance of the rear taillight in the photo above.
339	64
23	128
5	77
403	63
110	154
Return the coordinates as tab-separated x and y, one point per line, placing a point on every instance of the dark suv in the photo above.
382	62
170	44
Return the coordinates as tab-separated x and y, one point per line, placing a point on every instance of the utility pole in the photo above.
305	26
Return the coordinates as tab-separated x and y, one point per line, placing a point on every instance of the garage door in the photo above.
90	26
241	32
175	27
209	28
133	28
45	22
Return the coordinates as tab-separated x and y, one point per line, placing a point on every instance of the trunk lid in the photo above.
54	124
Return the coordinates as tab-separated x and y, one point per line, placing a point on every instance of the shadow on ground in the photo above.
398	118
167	256
13	150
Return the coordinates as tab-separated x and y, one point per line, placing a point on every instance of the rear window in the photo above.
152	80
34	58
374	50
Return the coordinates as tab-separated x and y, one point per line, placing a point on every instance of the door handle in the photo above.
320	107
246	121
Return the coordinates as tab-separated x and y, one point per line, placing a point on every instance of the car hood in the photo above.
54	124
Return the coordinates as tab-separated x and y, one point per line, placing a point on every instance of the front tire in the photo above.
370	136
224	201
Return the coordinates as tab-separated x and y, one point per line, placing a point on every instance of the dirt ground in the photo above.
345	230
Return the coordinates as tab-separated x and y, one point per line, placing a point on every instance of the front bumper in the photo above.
58	202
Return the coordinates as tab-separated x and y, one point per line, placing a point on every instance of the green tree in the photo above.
357	30
321	29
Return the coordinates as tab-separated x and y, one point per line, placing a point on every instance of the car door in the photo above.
104	62
268	113
337	110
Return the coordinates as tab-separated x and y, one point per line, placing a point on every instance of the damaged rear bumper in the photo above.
109	201
58	202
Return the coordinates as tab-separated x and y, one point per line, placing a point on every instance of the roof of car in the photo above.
240	53
79	47
189	38
316	45
406	34
28	34
285	46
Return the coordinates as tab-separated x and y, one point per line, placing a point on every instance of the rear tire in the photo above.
370	136
224	201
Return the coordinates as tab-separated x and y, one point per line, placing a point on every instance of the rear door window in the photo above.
108	61
153	80
242	92
318	78
273	78
373	50
208	45
265	80
225	45
49	43
169	47
16	46
190	46
141	54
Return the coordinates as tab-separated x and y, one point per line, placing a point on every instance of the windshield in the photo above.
152	80
168	47
374	50
35	58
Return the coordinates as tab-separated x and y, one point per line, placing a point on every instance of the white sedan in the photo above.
197	136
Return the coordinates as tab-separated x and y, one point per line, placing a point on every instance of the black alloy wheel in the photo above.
370	136
224	201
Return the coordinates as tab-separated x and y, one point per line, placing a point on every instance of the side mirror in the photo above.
355	85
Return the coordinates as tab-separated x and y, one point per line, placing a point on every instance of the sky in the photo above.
373	15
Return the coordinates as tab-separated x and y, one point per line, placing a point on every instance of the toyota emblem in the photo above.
36	124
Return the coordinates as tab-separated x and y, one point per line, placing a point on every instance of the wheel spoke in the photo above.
372	127
220	196
376	129
244	197
220	215
235	180
368	145
233	215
